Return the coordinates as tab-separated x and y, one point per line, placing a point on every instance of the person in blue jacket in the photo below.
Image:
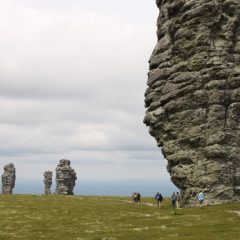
201	198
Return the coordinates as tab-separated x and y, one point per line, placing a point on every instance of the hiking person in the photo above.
201	198
178	200
135	197
174	198
139	197
159	199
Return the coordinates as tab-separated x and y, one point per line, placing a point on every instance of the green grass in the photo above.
31	217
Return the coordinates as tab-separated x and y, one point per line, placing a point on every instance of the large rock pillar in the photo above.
193	96
8	179
47	181
65	178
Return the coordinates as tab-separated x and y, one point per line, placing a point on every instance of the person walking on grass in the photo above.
159	199
178	200
135	197
201	198
139	198
174	198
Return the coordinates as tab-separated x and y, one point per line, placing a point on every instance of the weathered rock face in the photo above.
47	181
65	178
193	96
8	179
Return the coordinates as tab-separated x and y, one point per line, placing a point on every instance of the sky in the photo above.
72	81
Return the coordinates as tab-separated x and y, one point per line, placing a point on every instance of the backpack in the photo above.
158	197
174	197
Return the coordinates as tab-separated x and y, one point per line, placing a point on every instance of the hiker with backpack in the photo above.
174	198
159	199
139	198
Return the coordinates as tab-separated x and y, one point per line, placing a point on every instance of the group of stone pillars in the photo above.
65	179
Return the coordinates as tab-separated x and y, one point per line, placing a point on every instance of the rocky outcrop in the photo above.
47	181
65	178
8	179
193	96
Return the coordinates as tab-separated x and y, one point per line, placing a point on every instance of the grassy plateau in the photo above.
32	217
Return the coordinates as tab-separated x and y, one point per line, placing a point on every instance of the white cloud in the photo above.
72	86
69	53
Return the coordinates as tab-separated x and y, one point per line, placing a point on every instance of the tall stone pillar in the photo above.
8	179
193	96
65	178
47	181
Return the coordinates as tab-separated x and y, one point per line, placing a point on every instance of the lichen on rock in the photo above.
193	96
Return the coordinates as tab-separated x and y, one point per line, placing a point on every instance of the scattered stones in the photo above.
65	178
8	178
193	96
47	181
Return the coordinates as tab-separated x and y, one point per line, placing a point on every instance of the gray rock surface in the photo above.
8	179
65	178
193	96
47	181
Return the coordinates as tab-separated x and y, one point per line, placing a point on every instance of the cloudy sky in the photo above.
72	80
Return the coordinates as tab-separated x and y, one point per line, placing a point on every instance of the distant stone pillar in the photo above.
47	181
8	178
65	178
